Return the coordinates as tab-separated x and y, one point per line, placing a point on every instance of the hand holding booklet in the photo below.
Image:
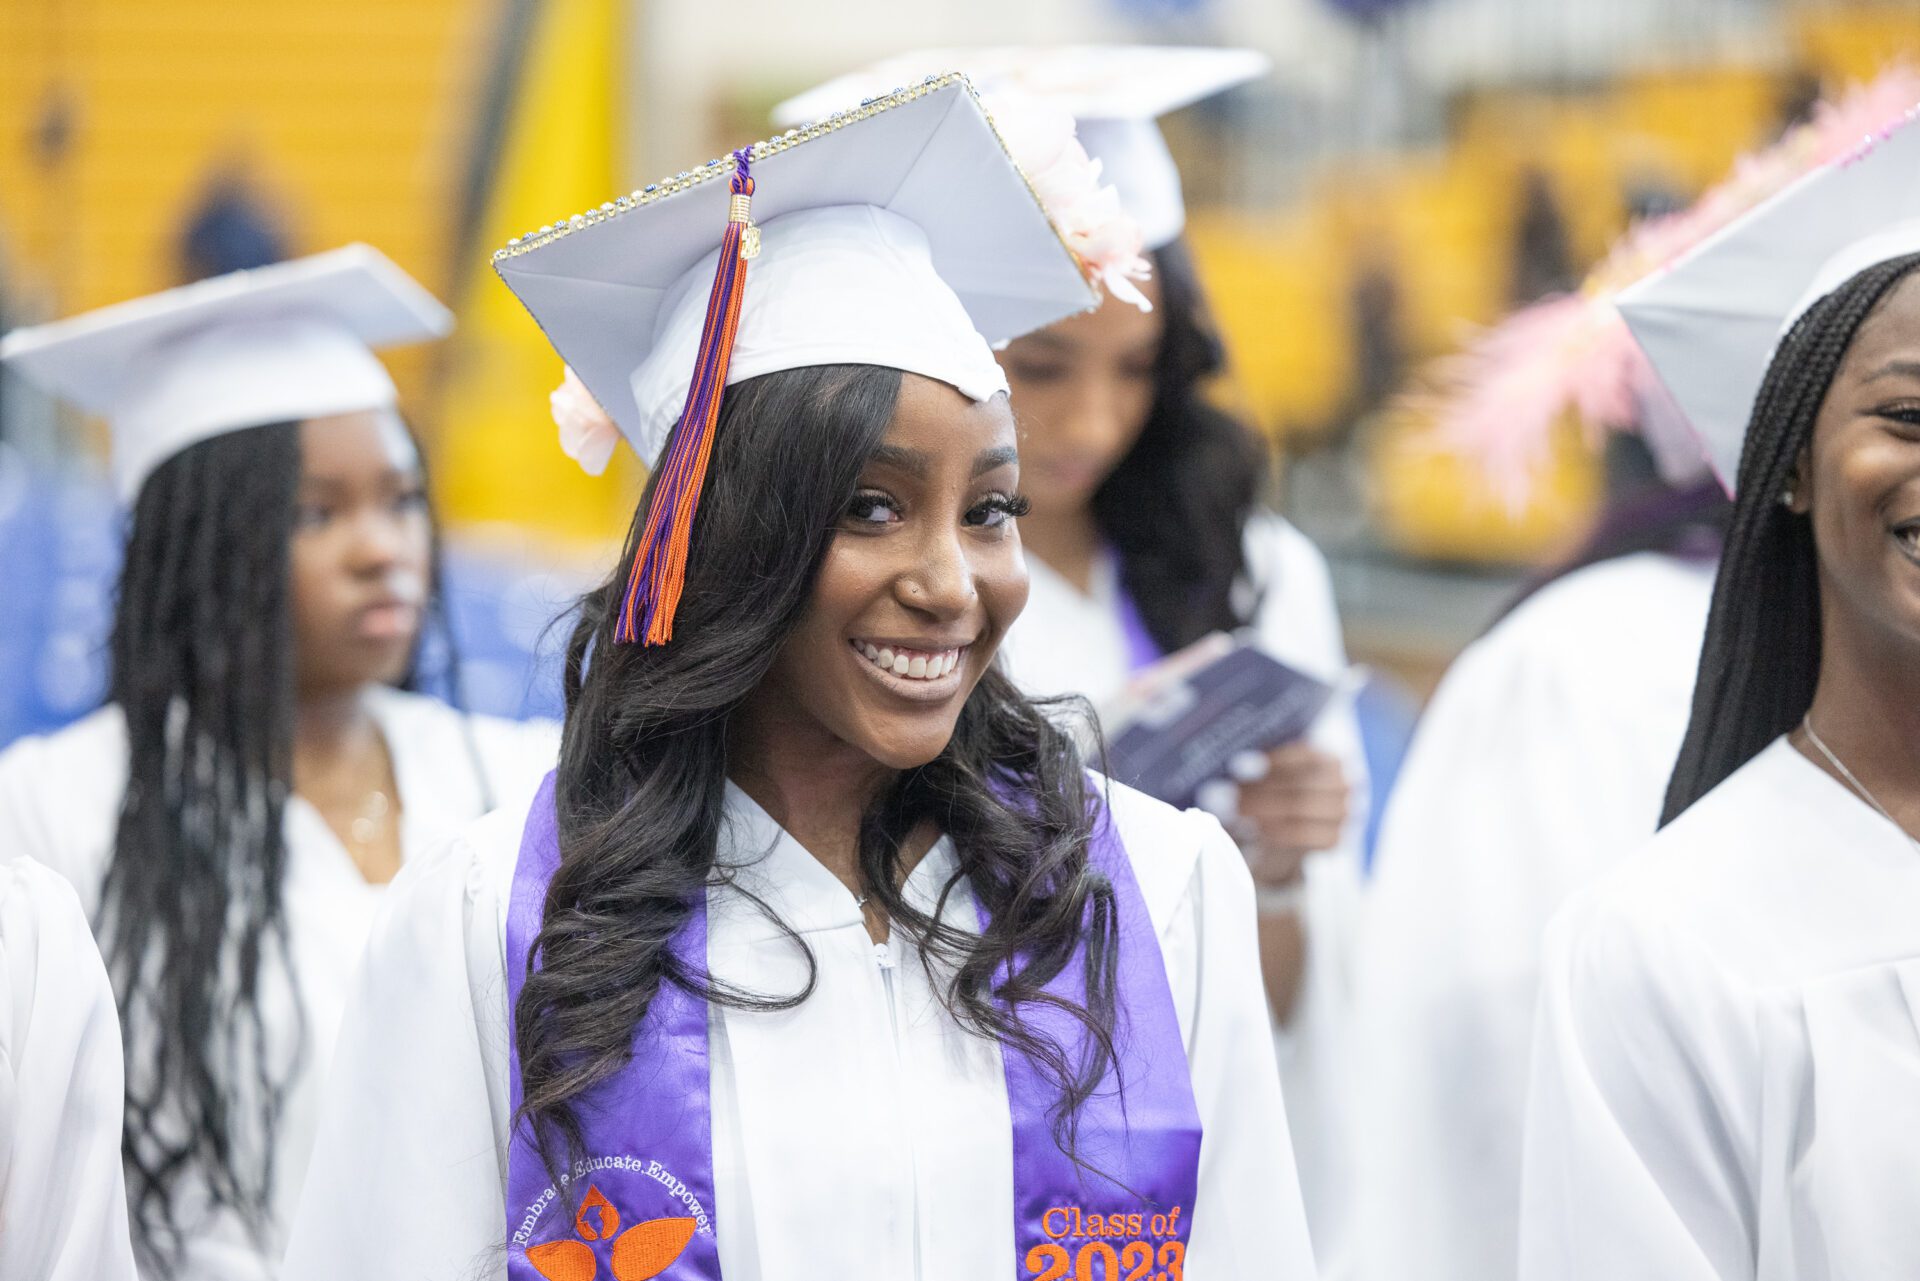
1179	723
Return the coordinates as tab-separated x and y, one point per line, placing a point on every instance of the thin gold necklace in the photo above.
1806	723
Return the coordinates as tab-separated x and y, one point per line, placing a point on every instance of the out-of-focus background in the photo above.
1412	168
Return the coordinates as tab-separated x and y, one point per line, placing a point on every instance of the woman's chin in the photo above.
391	665
905	746
383	664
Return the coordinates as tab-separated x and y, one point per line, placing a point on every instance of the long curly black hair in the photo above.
192	920
1176	508
643	770
1761	657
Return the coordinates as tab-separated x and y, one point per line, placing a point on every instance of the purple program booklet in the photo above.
1180	722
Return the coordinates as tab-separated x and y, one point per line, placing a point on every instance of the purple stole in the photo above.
645	1193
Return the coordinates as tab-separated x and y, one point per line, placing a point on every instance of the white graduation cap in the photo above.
1711	321
1114	92
282	343
900	233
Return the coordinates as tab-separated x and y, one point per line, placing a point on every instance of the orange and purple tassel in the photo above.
660	560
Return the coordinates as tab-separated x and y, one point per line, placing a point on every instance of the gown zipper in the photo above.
883	959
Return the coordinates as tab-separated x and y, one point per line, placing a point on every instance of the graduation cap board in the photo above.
1114	92
1710	322
599	282
898	233
282	343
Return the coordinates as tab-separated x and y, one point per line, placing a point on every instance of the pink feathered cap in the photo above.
1499	399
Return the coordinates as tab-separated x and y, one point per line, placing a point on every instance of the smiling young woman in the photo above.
1725	1079
231	816
821	954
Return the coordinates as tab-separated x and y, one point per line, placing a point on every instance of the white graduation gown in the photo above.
1071	642
60	801
859	1135
1726	1077
1541	760
63	1203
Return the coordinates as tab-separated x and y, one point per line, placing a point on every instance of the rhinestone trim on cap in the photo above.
715	169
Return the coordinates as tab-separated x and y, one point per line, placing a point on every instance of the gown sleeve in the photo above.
1642	1112
518	755
60	799
23	823
32	795
1299	623
408	1172
63	1201
1250	1221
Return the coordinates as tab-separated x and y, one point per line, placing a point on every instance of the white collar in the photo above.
769	865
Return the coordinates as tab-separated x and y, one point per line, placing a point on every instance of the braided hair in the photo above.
1761	657
192	921
202	669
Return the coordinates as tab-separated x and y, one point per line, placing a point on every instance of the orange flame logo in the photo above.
643	1251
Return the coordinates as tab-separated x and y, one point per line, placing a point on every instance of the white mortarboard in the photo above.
1114	92
899	233
276	344
1710	323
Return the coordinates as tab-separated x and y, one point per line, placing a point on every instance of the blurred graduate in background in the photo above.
1724	1081
63	1199
1148	531
1571	704
1540	760
259	772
